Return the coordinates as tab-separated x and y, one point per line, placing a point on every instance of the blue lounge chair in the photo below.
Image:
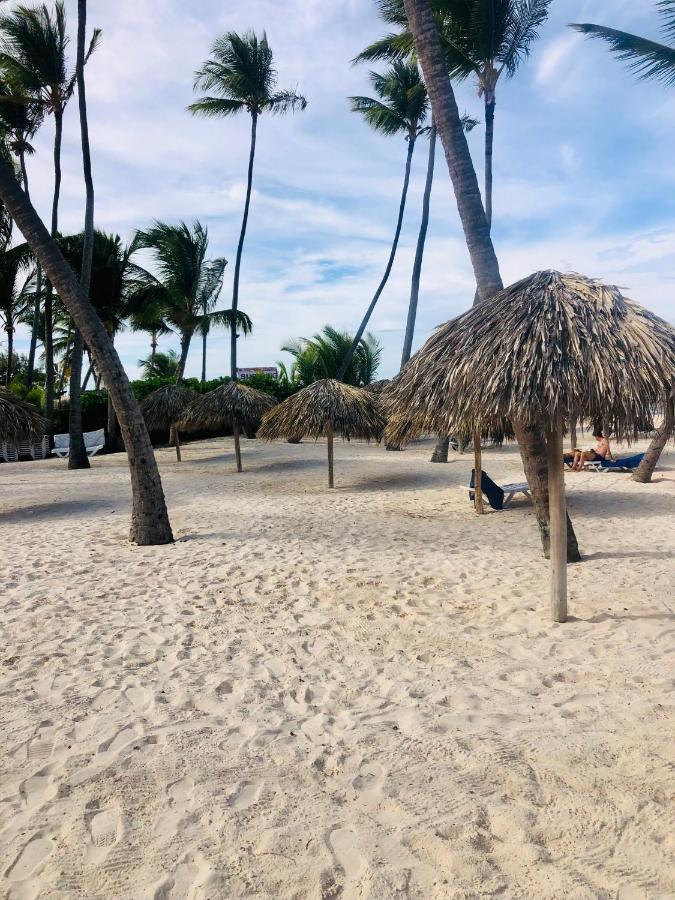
498	497
626	464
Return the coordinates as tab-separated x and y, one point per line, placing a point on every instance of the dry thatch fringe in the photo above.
351	412
18	419
164	406
550	344
232	403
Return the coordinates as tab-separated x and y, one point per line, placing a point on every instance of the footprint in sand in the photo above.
189	881
29	860
246	794
105	830
370	779
39	787
343	843
41	745
120	739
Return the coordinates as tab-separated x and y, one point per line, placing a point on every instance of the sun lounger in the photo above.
93	442
626	464
498	496
35	449
8	452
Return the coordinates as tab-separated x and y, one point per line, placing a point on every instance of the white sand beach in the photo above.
332	694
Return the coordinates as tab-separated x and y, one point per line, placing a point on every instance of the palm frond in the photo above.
666	9
645	58
18	419
281	102
390	47
216	107
527	17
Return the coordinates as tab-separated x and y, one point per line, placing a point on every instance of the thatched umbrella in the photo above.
326	408
542	349
377	387
233	404
18	419
163	407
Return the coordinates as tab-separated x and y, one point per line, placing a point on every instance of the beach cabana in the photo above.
18	419
323	409
234	404
163	407
537	352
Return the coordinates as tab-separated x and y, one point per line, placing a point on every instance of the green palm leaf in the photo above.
645	58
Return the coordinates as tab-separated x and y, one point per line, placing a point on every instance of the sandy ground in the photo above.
343	694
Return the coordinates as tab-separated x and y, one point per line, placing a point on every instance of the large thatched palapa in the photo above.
18	419
542	349
163	407
233	404
323	409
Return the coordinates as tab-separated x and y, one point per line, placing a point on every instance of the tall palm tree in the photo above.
20	121
652	60
188	283
77	454
647	59
239	76
149	518
433	61
159	365
16	298
480	38
322	355
33	56
400	108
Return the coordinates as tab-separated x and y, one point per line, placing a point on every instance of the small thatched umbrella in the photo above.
326	408
233	404
18	419
537	352
163	407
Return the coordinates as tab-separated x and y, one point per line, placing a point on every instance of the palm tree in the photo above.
159	365
480	38
15	297
647	59
33	45
20	121
240	72
434	65
77	454
188	283
149	517
401	107
321	356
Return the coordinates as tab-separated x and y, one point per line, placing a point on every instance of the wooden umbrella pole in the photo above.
478	474
558	521
176	442
329	440
237	448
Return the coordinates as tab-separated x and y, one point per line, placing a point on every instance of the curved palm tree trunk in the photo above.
240	247
149	517
390	262
449	125
184	349
35	328
645	470
419	252
10	350
489	140
440	454
49	344
476	229
77	454
88	375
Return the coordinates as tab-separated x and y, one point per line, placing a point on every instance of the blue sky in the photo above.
583	169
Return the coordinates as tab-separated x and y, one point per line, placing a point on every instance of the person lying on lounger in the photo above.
578	458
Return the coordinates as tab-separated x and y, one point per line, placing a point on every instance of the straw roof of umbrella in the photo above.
551	344
164	406
350	411
233	403
18	419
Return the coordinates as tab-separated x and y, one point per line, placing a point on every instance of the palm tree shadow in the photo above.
412	481
628	554
63	509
